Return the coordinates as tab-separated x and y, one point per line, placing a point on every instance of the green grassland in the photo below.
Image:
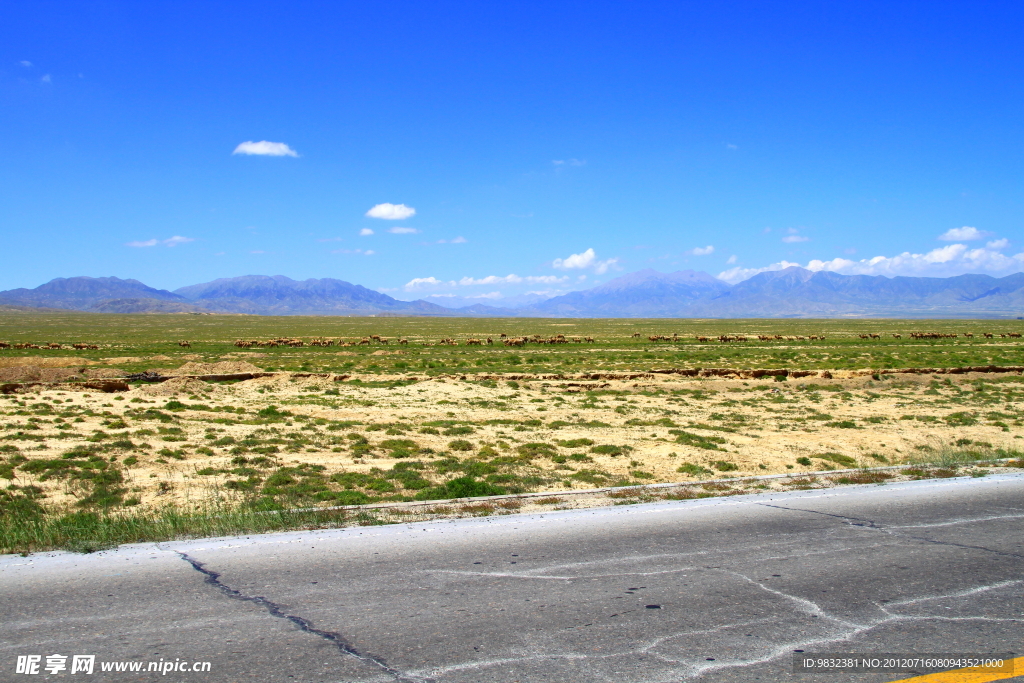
614	349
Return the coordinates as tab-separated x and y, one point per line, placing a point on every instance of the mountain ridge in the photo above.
791	292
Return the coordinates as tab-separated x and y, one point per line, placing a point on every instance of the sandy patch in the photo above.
34	373
224	367
177	385
42	362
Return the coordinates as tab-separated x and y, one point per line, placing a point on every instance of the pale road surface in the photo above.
929	566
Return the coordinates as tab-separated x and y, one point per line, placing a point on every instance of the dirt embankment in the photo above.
35	373
226	367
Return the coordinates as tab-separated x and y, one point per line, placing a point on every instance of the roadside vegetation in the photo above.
314	437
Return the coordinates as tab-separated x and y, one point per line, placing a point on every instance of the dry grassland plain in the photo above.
405	424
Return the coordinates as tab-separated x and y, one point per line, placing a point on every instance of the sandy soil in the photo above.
754	427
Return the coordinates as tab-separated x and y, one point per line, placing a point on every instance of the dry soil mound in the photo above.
224	367
177	385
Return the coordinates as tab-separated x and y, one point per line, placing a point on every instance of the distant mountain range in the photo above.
793	292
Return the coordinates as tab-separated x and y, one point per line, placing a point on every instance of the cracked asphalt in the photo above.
715	590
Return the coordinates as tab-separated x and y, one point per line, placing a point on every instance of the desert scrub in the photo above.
610	450
838	458
709	443
693	470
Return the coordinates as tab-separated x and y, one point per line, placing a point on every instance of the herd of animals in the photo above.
517	341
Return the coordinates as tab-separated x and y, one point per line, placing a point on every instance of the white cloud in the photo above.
264	148
512	279
732	259
569	162
364	252
489	295
792	239
257	251
953	259
440	296
998	244
459	240
365	231
169	242
25	63
702	251
403	231
425	282
581	260
964	234
391	212
729	145
46	79
586	259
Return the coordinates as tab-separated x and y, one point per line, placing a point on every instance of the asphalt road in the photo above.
712	590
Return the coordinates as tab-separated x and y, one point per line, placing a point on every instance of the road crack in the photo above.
272	608
894	531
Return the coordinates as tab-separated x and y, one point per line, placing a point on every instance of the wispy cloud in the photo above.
457	240
266	149
729	145
169	242
364	252
964	234
568	162
732	259
586	259
794	237
702	251
998	244
46	79
403	231
25	63
488	281
365	232
512	279
953	259
391	212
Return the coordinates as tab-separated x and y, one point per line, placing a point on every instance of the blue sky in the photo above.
543	146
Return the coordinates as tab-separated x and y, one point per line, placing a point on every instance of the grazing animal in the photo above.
403	341
490	342
184	344
896	336
636	335
473	342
